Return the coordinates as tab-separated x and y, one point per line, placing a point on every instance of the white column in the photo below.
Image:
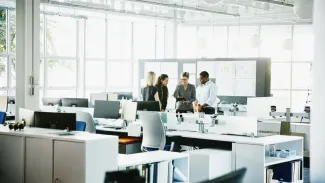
28	54
317	130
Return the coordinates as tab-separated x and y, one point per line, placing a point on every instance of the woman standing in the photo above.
185	93
161	85
150	92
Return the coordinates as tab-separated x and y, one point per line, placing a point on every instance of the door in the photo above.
69	162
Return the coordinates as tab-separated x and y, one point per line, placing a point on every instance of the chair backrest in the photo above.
154	135
233	177
2	117
86	117
81	126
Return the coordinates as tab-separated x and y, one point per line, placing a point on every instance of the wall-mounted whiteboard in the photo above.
246	69
236	78
226	87
225	69
245	87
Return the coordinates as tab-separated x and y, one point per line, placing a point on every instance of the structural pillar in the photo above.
317	130
27	54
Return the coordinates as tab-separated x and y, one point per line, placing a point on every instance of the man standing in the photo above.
206	93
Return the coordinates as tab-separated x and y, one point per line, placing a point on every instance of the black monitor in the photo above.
124	95
148	106
74	102
51	101
233	177
11	99
53	120
107	109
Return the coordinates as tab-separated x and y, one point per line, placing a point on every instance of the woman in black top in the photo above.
161	85
150	92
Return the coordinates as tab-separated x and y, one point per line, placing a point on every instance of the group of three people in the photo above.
205	95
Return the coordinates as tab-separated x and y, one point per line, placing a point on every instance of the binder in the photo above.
283	172
287	172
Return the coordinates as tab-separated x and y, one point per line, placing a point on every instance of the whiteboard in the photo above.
208	66
245	87
226	86
246	69
225	69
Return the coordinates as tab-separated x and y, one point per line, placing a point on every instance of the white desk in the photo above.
130	160
39	156
170	165
249	152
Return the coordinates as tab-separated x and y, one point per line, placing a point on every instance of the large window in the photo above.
59	64
119	76
7	51
144	40
119	39
273	40
62	73
186	41
240	41
61	36
95	38
81	56
3	30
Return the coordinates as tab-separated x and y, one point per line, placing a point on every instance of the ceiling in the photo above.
193	12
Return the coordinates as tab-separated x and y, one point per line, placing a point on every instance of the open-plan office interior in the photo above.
100	91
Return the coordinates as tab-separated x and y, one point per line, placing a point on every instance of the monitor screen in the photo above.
107	109
124	95
55	120
51	101
11	99
148	106
74	102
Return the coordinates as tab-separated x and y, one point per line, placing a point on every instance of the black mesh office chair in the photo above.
233	177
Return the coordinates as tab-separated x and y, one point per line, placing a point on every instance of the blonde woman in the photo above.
150	91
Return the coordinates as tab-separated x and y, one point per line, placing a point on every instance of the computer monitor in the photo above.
27	116
11	100
129	111
51	101
124	95
74	102
55	120
107	109
148	106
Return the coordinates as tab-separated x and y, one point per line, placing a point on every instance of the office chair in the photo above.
154	135
3	116
80	126
86	117
233	177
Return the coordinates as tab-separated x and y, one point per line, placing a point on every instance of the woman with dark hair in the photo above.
185	94
161	85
